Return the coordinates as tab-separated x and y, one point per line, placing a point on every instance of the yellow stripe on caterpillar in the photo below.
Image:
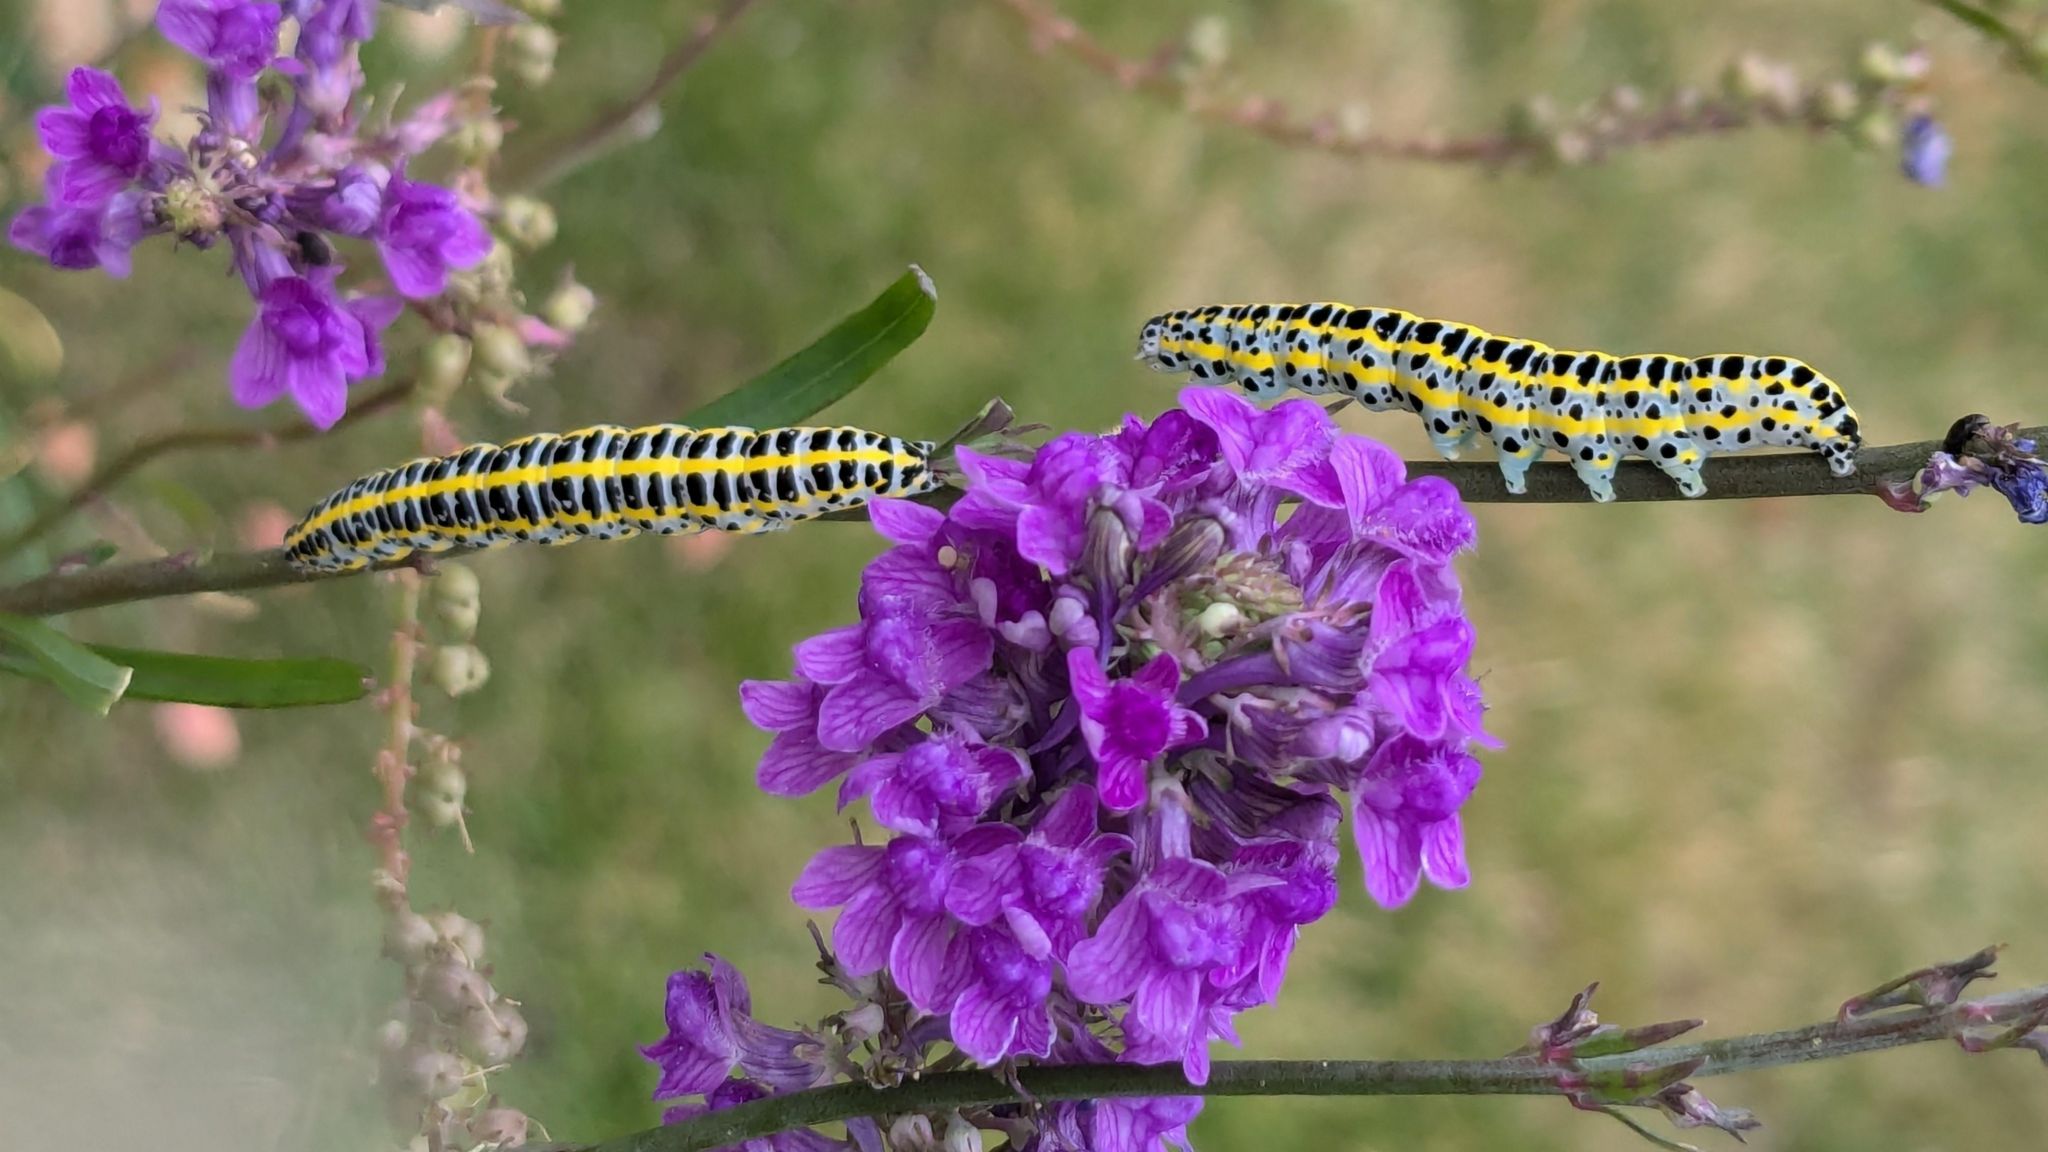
606	482
1524	396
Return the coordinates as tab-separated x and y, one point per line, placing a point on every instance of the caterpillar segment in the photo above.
1528	399
605	483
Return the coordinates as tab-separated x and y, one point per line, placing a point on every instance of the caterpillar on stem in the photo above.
605	483
1594	408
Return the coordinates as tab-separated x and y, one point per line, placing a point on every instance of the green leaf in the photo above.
87	677
228	682
810	381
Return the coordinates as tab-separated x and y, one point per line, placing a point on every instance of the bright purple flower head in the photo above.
308	343
237	39
101	144
424	234
1108	704
711	1029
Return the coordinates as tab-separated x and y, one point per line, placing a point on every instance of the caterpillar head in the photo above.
1158	347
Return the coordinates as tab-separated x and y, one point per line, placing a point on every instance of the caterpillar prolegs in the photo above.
1592	407
605	483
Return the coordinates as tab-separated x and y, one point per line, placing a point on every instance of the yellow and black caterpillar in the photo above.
1593	407
606	482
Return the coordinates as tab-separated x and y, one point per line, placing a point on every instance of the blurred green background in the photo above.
1759	756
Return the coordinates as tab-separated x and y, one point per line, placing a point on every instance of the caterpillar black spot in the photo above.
1527	398
605	483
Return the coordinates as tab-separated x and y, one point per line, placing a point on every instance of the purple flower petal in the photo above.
836	875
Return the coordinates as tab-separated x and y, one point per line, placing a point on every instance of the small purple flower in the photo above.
1924	151
940	784
1002	1007
1129	722
710	1030
423	234
1157	947
1404	815
350	204
306	342
1156	1124
2027	489
894	913
100	142
796	764
235	38
1048	884
78	237
1975	453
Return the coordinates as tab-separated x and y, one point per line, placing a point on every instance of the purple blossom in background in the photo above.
100	143
1113	706
424	234
1924	151
308	343
79	237
281	172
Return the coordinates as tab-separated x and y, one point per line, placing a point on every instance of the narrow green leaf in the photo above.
224	682
810	381
90	679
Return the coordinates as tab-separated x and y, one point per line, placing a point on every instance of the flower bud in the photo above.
1837	102
194	213
1219	620
1208	42
460	669
961	1136
493	1036
443	789
501	352
569	306
1354	121
408	937
391	1037
444	363
1747	78
911	1133
460	933
1880	63
452	988
1194	545
478	140
530	53
527	222
1106	556
430	1073
456	597
499	1127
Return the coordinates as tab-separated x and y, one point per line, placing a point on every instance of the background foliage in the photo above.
1760	755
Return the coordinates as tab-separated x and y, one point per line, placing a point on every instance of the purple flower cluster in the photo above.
1106	706
1978	453
277	196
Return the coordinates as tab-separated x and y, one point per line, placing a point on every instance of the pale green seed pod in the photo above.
528	222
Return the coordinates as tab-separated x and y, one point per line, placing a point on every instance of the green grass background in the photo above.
1760	756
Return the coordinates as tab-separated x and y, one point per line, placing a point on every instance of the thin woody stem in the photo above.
1157	76
634	119
1511	1076
1478	482
187	439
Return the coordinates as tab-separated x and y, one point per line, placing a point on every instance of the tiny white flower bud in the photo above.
459	669
430	1073
492	1037
408	937
499	1127
452	988
530	53
527	222
444	362
391	1037
478	140
1209	41
1220	619
443	788
459	932
500	351
912	1133
569	306
961	1136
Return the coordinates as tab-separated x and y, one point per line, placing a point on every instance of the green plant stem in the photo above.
635	119
1478	481
2019	44
1512	1076
187	439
